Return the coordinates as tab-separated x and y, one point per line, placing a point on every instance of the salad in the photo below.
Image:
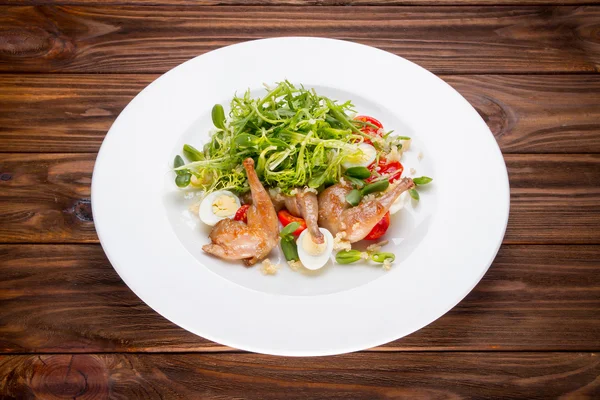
295	159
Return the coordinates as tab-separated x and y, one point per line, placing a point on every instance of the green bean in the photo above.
422	180
348	256
289	248
289	229
358	172
183	180
414	194
218	116
192	154
381	257
353	198
375	187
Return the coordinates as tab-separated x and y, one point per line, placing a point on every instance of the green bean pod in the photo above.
358	172
289	248
353	198
375	187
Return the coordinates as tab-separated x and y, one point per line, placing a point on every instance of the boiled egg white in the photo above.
399	203
217	206
314	256
364	157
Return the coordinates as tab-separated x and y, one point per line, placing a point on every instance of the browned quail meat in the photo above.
336	215
251	242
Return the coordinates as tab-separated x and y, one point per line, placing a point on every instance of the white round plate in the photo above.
444	244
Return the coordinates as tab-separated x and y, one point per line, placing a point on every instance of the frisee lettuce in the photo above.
296	138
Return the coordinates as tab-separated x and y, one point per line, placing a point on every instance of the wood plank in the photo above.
537	114
299	2
46	198
527	114
442	39
62	113
352	376
68	298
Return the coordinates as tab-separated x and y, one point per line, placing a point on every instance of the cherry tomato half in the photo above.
392	168
371	120
242	213
369	130
286	218
380	228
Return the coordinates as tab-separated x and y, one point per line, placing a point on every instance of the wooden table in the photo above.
70	328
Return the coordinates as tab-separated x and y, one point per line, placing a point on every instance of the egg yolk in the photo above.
312	248
224	206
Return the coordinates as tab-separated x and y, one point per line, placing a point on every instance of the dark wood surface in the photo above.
70	328
284	3
351	376
443	39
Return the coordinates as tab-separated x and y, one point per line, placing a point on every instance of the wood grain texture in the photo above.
442	39
46	198
527	114
285	3
68	298
352	376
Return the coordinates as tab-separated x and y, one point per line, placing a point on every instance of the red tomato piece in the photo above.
380	228
392	168
369	130
371	120
286	218
242	213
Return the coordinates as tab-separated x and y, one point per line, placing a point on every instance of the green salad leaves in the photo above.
296	138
